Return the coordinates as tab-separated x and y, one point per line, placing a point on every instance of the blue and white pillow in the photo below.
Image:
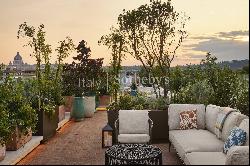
237	137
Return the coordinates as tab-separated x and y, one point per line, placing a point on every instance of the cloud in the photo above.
233	34
226	46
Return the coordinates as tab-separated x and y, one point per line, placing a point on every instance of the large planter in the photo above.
112	117
78	109
69	103
61	112
160	129
104	100
89	103
2	152
18	139
47	124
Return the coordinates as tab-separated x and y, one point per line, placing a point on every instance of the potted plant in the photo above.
71	86
67	89
159	115
93	71
47	92
41	97
63	50
22	117
87	71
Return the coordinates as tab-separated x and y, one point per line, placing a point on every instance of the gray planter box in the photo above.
46	126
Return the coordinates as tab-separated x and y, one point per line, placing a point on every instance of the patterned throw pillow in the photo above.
188	120
237	137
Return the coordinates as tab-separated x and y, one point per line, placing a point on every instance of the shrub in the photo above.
17	106
140	102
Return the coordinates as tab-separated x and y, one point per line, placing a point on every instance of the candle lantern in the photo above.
107	132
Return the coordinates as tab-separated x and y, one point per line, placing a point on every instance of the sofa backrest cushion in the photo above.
212	112
244	125
133	122
174	111
233	120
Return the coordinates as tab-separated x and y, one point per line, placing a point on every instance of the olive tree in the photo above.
154	32
41	50
116	42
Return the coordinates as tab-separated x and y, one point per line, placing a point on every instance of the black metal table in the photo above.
133	154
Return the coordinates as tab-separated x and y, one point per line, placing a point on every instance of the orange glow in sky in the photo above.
90	19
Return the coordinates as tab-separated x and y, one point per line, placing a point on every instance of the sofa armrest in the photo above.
238	155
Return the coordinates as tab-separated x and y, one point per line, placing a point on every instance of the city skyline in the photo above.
220	27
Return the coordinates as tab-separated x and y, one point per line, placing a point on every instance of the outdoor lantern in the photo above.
107	136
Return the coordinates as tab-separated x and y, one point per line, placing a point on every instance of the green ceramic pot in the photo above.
78	109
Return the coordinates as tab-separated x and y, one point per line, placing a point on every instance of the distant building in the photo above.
20	69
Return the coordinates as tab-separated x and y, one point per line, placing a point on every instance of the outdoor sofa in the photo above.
201	146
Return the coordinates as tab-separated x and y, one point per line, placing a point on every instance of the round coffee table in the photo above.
127	154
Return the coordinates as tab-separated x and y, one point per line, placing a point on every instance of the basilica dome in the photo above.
18	57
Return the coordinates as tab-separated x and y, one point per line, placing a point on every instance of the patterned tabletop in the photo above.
133	152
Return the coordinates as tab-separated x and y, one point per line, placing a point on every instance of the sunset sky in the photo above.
218	26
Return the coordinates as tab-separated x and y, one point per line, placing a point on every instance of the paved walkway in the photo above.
80	143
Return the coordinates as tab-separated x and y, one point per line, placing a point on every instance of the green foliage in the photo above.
116	42
4	125
209	83
199	92
153	32
160	103
105	80
82	78
46	90
140	102
63	51
2	66
16	108
240	98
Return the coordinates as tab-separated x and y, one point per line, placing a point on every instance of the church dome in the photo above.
18	57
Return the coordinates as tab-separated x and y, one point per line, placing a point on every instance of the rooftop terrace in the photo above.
80	143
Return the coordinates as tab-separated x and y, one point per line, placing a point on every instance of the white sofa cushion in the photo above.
133	122
174	111
212	112
186	141
232	120
133	138
244	125
205	158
